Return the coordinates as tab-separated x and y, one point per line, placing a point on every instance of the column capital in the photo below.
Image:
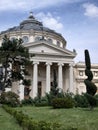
60	64
35	62
48	63
71	64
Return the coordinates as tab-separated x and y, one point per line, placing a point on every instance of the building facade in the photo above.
79	75
49	49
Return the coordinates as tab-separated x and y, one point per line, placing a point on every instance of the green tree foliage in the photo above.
81	100
90	86
10	98
54	88
14	57
87	60
27	84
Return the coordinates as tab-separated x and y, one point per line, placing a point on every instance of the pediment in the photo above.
48	49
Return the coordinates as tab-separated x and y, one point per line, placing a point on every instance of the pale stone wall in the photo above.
79	70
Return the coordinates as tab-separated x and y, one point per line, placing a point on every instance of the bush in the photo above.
27	101
10	98
40	101
63	102
81	100
61	94
96	96
92	100
49	97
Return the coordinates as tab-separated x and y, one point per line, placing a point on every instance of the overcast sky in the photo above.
76	20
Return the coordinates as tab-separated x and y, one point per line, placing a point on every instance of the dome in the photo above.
32	25
28	24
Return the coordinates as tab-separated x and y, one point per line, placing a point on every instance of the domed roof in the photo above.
31	23
28	24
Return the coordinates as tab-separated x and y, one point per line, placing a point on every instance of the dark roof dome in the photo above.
30	23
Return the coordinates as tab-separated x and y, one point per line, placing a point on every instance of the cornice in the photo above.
43	42
52	59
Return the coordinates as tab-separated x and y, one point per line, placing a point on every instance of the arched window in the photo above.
50	40
58	43
25	39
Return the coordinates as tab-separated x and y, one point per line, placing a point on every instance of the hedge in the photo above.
29	124
65	102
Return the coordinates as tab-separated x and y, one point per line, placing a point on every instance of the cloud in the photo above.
30	4
91	10
50	21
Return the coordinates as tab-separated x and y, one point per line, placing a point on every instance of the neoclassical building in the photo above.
50	52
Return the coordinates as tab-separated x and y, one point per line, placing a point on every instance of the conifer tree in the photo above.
14	58
90	86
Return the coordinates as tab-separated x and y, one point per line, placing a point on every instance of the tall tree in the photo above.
90	86
13	58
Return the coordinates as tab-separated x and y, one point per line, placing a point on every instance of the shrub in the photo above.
92	100
27	101
63	102
81	100
50	96
10	98
40	101
96	96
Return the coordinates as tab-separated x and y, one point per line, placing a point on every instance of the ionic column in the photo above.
71	78
35	78
60	76
48	64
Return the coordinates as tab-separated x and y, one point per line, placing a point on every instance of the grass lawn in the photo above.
80	118
7	122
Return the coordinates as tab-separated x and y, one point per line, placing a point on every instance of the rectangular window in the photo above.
96	73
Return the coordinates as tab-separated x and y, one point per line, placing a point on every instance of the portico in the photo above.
43	75
48	57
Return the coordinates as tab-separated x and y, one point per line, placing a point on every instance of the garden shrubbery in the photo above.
92	100
81	101
85	100
28	101
29	124
40	101
63	102
96	96
10	98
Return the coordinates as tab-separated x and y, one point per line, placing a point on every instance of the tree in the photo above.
54	88
90	86
14	58
27	83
